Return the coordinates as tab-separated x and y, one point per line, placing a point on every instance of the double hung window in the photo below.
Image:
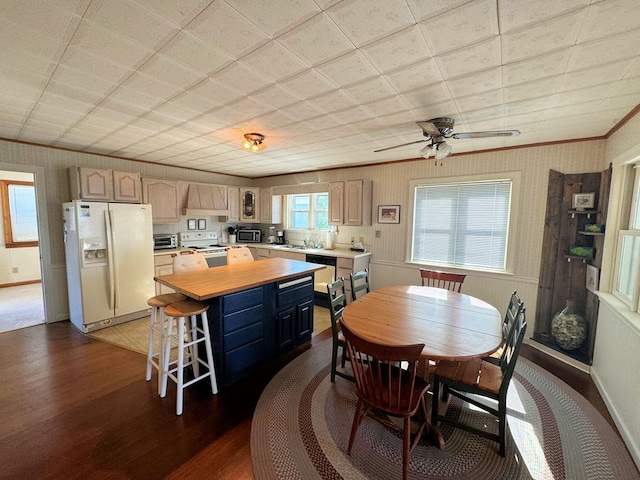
627	272
308	211
462	224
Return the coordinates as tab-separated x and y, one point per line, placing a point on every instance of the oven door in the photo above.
216	259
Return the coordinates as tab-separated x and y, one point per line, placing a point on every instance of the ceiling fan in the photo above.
437	130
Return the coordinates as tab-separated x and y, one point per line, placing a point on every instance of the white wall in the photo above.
52	189
616	361
17	265
391	186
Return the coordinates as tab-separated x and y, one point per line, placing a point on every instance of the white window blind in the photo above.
462	224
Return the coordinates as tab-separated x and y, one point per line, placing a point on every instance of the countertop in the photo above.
336	252
218	281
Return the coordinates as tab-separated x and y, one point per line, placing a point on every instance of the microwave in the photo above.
163	241
248	236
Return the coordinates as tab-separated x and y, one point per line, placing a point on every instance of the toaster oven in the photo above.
163	241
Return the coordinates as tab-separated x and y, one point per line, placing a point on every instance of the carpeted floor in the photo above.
302	422
21	306
134	335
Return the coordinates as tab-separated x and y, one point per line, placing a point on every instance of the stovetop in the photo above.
201	241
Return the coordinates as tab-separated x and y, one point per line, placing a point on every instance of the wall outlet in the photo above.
16	269
377	233
361	239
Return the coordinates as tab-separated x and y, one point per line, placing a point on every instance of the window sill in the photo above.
630	317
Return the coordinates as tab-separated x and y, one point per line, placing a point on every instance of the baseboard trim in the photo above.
563	358
17	284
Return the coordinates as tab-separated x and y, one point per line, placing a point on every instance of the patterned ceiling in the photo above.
178	82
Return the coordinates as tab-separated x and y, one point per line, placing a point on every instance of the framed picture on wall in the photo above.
202	224
388	213
191	224
583	201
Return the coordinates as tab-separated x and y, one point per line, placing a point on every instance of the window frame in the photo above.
513	176
630	227
312	212
6	214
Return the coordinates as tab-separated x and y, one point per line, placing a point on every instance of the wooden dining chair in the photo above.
337	302
436	278
188	260
481	378
513	309
359	283
387	386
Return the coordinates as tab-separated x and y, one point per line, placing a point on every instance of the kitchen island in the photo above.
257	310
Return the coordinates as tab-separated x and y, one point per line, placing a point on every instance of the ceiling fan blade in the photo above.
401	145
429	128
495	133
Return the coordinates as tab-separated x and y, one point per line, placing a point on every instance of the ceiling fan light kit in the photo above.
437	130
253	142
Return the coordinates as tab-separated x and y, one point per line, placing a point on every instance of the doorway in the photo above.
21	288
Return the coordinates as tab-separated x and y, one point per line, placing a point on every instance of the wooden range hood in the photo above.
205	199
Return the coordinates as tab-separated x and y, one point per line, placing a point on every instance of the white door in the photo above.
132	256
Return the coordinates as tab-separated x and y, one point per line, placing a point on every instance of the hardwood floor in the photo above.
74	407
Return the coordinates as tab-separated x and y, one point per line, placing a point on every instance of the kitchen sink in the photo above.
294	247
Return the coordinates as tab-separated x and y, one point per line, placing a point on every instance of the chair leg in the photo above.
150	349
167	332
344	356
406	447
180	372
361	411
502	424
207	345
192	334
334	360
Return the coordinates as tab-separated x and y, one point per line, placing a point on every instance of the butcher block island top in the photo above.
218	281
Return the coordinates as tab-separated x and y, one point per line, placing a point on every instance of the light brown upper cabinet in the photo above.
270	206
163	195
104	185
249	204
350	202
233	202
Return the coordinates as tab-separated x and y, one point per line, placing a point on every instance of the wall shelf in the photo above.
588	213
592	234
576	257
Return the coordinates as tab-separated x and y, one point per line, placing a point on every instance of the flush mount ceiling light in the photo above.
253	142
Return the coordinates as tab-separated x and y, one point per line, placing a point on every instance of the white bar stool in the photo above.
154	358
182	311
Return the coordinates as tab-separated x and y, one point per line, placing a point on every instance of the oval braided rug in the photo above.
302	422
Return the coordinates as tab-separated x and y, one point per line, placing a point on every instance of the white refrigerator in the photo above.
110	268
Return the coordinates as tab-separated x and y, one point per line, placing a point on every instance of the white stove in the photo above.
205	243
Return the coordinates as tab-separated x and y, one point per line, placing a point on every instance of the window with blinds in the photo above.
462	224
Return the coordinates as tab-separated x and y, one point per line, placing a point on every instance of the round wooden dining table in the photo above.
452	326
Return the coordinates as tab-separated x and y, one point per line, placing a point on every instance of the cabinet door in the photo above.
127	187
163	270
336	203
163	197
286	329
353	202
265	205
249	205
233	202
95	184
305	321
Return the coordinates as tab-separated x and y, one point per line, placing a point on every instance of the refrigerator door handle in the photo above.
110	260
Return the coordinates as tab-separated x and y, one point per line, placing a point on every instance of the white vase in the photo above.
232	239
